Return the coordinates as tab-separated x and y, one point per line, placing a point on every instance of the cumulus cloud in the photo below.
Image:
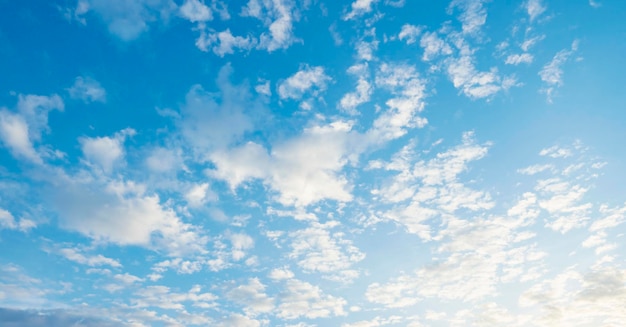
307	79
473	14
278	17
196	11
124	213
87	89
105	152
7	221
303	170
409	33
359	8
20	130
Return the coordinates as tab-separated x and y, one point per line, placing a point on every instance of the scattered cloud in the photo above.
88	90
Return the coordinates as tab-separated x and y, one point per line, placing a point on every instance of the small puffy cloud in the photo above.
196	11
534	8
224	42
14	134
7	221
307	79
264	88
409	33
433	46
516	59
473	14
403	108
278	16
105	152
317	249
87	89
199	194
475	84
20	130
359	8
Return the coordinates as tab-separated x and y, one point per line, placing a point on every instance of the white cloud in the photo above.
473	15
307	79
196	11
237	320
209	121
87	89
433	46
105	152
14	133
252	296
20	130
410	33
359	8
278	17
162	160
534	8
317	249
300	299
304	170
264	88
535	169
121	212
516	59
433	187
199	194
363	91
552	73
556	151
473	83
8	221
163	297
408	90
126	19
224	42
89	260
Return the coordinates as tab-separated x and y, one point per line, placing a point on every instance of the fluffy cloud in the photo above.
278	16
19	130
105	152
359	8
307	79
195	11
87	89
303	170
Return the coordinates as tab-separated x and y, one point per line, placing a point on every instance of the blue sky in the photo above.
312	163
